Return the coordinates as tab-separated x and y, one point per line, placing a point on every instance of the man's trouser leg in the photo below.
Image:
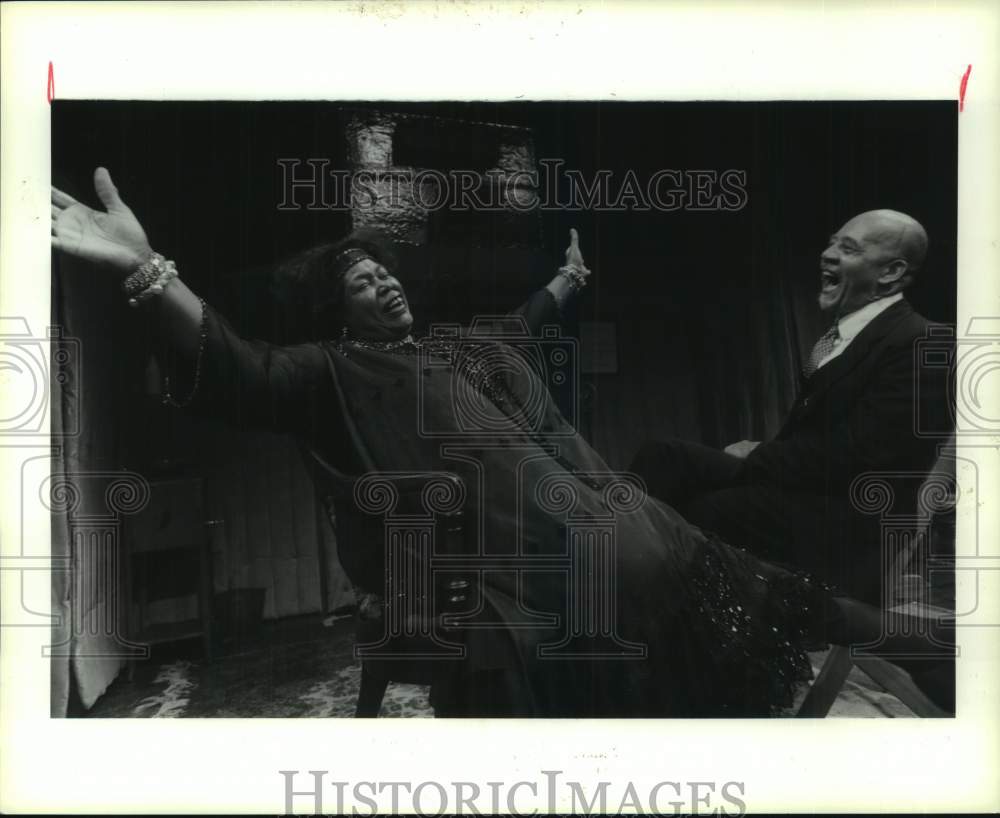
676	471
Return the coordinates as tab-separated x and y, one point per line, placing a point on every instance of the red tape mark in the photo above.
961	88
50	90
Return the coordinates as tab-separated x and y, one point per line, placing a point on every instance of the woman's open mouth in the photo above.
395	305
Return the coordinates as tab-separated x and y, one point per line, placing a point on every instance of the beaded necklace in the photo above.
409	343
472	359
477	362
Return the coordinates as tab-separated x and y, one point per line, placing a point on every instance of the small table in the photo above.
168	558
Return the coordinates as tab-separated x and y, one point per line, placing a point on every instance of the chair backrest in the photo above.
358	536
907	505
917	569
371	512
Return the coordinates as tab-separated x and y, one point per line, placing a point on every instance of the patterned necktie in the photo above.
824	346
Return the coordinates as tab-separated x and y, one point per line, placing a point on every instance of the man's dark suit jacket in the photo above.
859	412
790	500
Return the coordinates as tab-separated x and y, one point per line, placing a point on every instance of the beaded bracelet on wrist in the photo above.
575	276
157	287
144	275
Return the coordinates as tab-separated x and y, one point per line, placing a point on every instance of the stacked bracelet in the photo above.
149	279
144	275
576	277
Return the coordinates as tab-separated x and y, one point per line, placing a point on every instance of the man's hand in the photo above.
741	449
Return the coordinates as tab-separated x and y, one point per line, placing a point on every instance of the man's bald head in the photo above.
873	256
900	235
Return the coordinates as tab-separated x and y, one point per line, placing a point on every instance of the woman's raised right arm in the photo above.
224	375
116	240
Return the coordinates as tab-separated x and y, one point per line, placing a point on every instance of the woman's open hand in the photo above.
573	255
569	281
115	238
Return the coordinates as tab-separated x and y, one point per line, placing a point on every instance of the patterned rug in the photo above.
294	672
306	670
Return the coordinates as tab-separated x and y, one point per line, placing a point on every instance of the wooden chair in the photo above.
387	527
907	563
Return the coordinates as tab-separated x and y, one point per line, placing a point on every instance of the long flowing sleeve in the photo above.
254	383
540	309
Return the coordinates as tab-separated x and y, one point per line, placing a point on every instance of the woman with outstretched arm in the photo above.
674	623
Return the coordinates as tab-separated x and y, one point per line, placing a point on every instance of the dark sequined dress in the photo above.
674	623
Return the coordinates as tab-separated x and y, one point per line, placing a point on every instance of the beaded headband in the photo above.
346	259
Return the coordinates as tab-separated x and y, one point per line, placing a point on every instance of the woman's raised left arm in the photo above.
572	276
546	305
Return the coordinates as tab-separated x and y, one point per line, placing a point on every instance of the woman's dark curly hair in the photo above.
311	287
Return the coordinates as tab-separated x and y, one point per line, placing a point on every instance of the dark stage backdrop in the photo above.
709	313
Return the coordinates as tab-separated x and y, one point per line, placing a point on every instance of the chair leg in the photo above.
898	682
373	687
205	594
828	684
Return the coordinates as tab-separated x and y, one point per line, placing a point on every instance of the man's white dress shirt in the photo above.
850	325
